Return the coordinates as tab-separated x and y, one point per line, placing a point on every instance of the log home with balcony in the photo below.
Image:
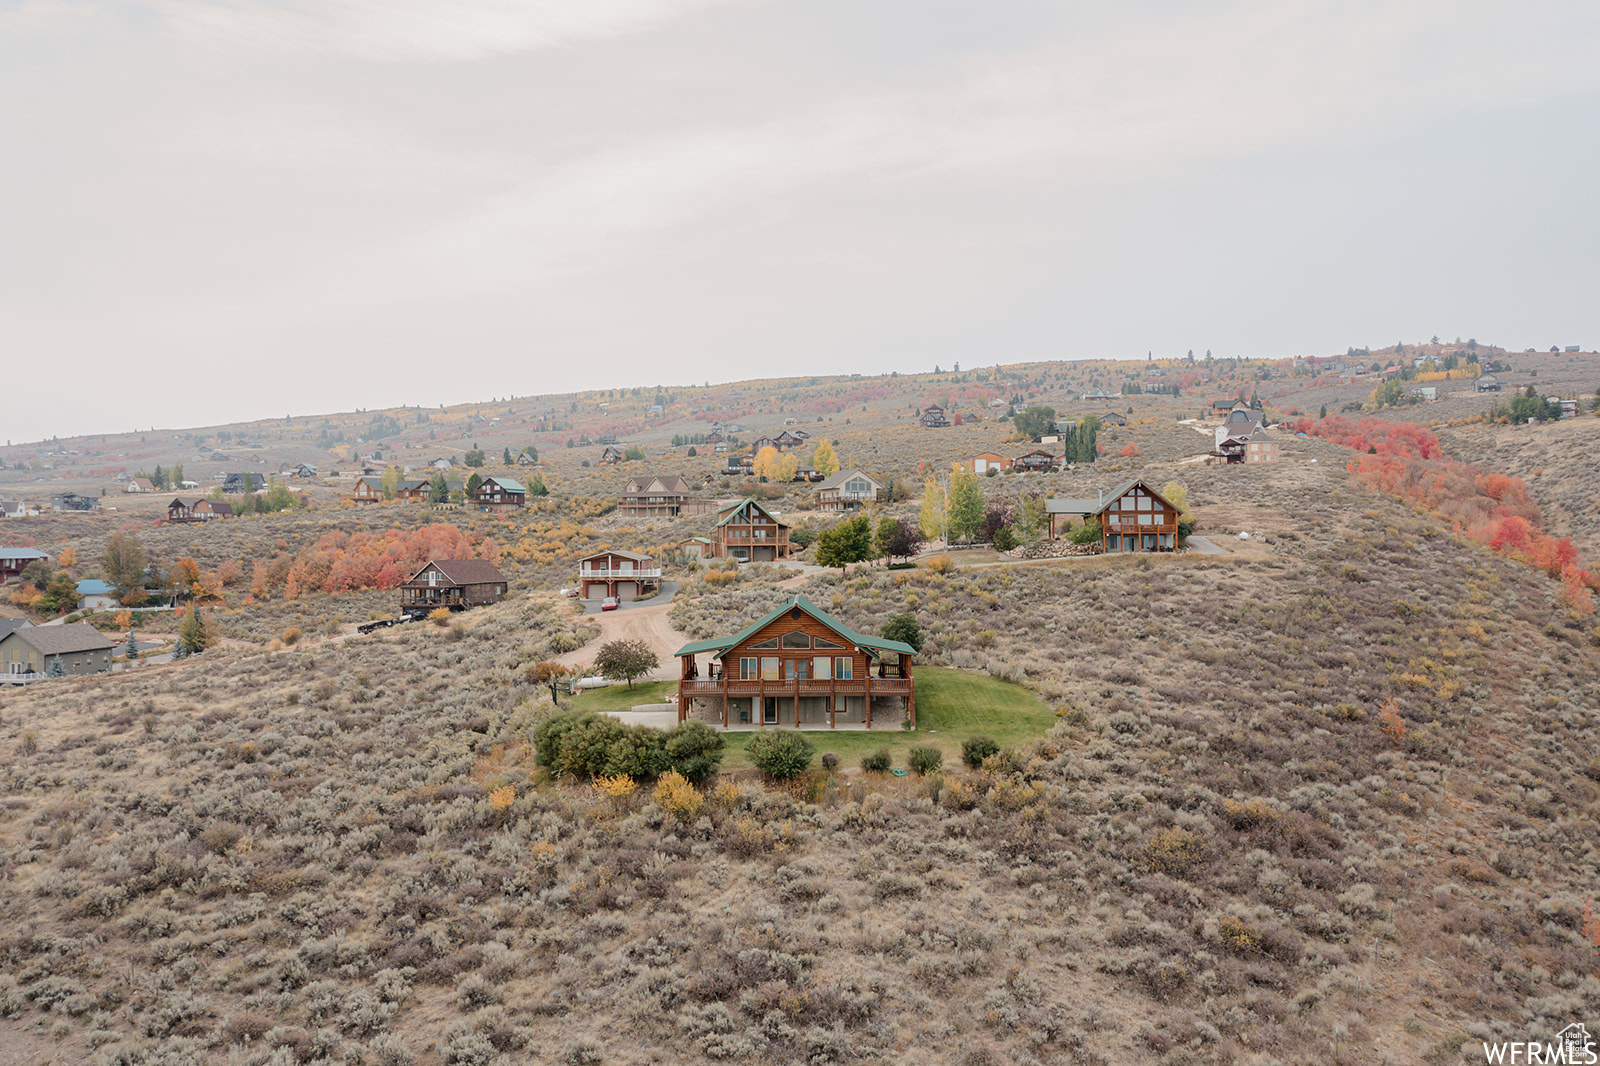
453	583
369	489
1133	517
614	572
748	532
798	667
499	494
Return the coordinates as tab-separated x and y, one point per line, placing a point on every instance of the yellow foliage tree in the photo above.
1178	496
69	556
824	459
932	520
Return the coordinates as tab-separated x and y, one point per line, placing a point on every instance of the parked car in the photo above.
570	592
610	603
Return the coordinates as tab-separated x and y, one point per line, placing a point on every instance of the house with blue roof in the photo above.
800	667
92	592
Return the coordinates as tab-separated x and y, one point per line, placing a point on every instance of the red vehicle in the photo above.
610	603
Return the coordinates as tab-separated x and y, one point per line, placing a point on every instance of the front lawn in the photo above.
952	705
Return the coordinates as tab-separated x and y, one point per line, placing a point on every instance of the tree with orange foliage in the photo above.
1389	720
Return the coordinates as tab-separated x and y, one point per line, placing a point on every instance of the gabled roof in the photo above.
62	640
733	509
845	475
642	483
464	571
506	484
92	586
1094	505
8	625
635	556
15	554
871	645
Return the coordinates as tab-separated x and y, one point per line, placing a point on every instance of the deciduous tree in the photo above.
124	560
933	519
624	660
966	502
824	459
848	542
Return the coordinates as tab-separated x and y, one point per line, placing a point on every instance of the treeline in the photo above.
340	561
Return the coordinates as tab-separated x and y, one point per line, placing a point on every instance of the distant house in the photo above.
1113	418
659	496
1036	461
300	470
71	501
1133	517
97	594
244	483
934	417
139	484
1487	383
1238	422
1569	407
611	454
847	490
1099	397
369	489
13	561
760	443
26	653
614	572
695	547
197	509
1426	392
982	464
12	509
205	510
747	531
525	458
786	440
499	494
440	463
1250	445
797	666
453	583
413	489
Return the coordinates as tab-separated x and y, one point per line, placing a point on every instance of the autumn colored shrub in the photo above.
675	794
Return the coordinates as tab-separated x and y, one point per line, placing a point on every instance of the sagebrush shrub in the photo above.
877	761
925	760
976	749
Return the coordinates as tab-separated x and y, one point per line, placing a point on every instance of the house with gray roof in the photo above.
13	561
29	653
1133	517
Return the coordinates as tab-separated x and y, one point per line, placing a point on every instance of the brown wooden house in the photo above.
934	417
657	496
499	494
799	667
1036	461
369	489
614	572
453	583
747	531
191	509
1133	517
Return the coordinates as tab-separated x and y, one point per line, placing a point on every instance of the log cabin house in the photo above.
934	417
13	561
800	667
747	531
190	509
369	489
614	572
499	494
453	583
1035	461
1133	517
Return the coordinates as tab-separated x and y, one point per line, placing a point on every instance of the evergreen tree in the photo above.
130	649
55	667
192	631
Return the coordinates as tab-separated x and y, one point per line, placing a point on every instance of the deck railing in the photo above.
603	575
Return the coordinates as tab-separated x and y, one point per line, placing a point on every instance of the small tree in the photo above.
932	518
130	648
925	760
124	560
438	489
780	753
904	628
848	542
824	459
193	633
55	667
474	457
624	660
474	483
966	502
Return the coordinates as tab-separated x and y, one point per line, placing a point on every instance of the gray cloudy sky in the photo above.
226	209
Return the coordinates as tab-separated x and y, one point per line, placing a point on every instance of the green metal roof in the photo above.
872	645
508	484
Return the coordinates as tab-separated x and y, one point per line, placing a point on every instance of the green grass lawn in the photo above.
952	705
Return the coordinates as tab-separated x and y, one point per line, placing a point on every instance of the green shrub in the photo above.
830	761
549	733
904	628
877	762
925	760
1088	533
695	750
780	753
1004	538
638	751
976	749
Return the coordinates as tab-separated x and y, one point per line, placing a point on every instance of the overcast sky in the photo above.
214	210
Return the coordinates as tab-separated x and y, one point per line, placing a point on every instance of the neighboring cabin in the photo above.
15	560
847	490
1133	517
1036	461
659	496
194	509
987	461
369	489
499	494
453	583
934	417
614	572
797	666
748	532
244	483
139	484
26	652
96	594
71	501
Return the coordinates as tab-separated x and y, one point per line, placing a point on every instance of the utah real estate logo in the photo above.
1573	1046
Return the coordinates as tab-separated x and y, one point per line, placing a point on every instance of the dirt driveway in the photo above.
643	623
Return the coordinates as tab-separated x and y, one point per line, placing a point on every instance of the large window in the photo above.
796	640
747	668
824	667
843	667
769	668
